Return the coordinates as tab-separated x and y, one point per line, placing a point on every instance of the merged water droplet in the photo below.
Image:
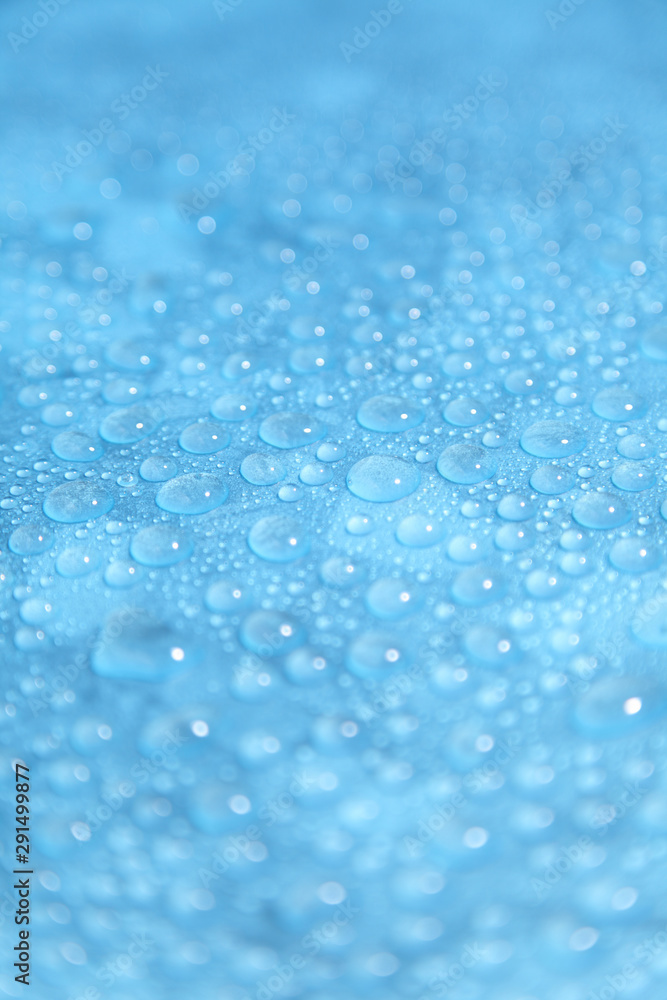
279	538
234	407
73	446
418	531
160	545
600	511
262	470
133	646
158	469
132	424
193	493
29	540
552	439
203	438
382	478
81	500
466	464
390	414
291	430
616	403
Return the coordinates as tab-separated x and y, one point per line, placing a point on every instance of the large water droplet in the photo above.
80	500
636	446
132	424
73	446
77	561
291	430
29	540
389	414
262	470
278	538
466	464
419	531
465	412
160	545
616	403
133	646
552	479
392	599
158	469
382	478
194	493
233	406
634	555
515	507
271	633
376	655
552	439
632	476
600	511
203	438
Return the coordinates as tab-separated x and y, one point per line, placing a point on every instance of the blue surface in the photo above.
334	607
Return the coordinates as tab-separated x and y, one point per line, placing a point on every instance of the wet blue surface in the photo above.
334	617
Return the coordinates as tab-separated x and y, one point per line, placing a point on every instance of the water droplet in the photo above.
233	406
382	478
376	655
122	573
552	439
290	493
29	540
654	343
462	549
359	524
133	646
123	391
465	412
278	538
491	646
339	571
478	585
80	500
194	493
130	425
330	452
130	356
514	538
636	446
389	414
391	599
545	585
203	438
291	430
634	555
522	382
600	511
603	712
271	633
158	469
419	531
466	464
160	545
616	403
262	470
78	561
73	446
227	597
633	477
552	479
315	475
514	507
